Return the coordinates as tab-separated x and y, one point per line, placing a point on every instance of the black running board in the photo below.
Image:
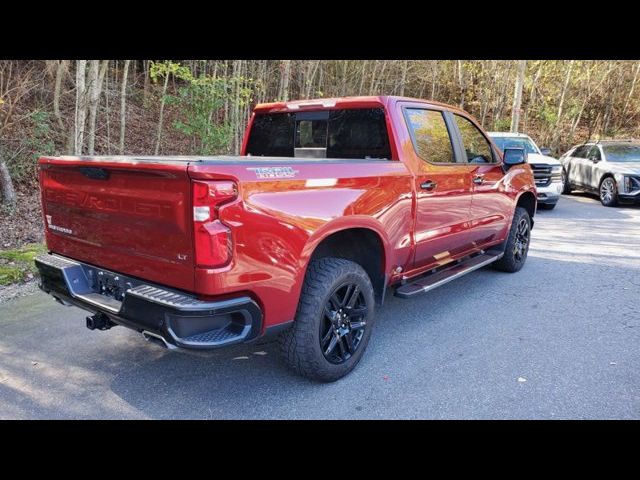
430	281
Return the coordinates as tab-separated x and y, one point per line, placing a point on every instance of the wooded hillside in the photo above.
202	106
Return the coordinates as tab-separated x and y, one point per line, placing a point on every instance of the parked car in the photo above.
547	171
332	204
609	168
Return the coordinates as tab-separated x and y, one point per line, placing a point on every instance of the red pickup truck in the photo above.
333	203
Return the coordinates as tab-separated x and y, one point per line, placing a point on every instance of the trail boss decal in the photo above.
68	231
274	172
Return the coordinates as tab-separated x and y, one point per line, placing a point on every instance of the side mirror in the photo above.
514	156
545	151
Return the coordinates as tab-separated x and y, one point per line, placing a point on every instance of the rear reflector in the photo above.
212	238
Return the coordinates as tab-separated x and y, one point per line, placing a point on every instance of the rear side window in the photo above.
430	135
354	133
476	145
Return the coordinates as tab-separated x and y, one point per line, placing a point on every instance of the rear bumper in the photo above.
176	319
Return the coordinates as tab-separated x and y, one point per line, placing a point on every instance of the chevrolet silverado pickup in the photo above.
332	204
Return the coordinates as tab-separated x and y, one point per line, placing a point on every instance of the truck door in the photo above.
491	207
442	186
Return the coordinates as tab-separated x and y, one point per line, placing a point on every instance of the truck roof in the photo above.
344	102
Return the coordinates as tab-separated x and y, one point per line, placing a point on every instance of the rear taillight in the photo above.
212	238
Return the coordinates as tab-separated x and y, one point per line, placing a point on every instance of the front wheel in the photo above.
517	244
609	192
333	322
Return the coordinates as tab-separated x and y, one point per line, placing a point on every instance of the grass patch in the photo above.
16	265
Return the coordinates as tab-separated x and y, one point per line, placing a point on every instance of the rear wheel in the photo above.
608	192
547	206
517	244
333	323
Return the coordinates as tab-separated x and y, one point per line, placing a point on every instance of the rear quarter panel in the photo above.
277	223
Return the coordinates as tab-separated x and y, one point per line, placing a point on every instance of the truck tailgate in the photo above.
129	215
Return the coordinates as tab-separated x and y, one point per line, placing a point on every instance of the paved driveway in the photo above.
560	339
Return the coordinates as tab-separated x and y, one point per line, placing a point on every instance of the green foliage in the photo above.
548	114
17	264
163	69
9	275
502	124
39	141
200	102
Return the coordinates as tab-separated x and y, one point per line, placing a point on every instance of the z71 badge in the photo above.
274	172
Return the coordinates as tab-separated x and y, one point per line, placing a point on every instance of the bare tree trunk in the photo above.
461	83
81	107
343	86
62	65
145	64
403	79
310	77
123	105
8	192
517	95
164	94
364	67
283	94
97	72
373	78
434	78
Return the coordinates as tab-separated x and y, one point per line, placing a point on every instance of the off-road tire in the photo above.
510	261
301	344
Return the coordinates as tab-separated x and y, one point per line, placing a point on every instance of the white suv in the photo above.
547	171
610	168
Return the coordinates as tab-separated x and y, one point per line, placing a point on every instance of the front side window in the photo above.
344	133
594	154
430	135
476	146
581	151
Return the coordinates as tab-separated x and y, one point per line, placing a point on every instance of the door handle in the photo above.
478	179
428	185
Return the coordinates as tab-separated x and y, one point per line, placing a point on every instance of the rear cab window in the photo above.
343	133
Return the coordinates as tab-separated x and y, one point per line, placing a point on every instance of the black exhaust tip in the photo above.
99	321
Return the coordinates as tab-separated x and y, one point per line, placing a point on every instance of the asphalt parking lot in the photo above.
560	339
